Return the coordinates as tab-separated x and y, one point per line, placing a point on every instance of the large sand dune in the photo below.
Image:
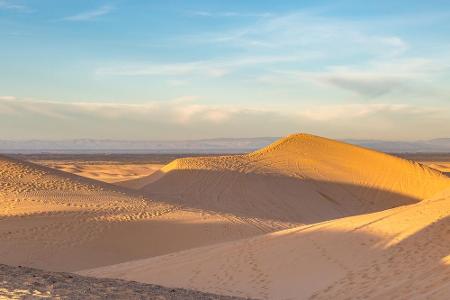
400	253
299	179
58	221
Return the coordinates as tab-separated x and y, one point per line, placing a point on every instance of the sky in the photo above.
207	69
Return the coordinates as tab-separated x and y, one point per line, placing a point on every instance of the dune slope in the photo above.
400	253
58	221
301	179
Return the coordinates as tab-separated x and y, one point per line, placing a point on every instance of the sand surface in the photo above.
401	253
59	221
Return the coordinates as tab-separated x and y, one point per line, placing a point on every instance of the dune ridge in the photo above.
301	179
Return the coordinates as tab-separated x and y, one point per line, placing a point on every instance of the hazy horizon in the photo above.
211	146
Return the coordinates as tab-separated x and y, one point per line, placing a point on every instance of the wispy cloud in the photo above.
13	5
180	110
90	15
372	79
331	52
328	54
301	31
275	39
228	14
211	68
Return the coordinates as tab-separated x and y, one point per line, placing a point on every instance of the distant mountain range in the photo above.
220	145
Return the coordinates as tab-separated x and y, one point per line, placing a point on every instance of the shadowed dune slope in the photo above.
59	221
400	253
301	178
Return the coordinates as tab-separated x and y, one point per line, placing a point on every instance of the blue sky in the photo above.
201	69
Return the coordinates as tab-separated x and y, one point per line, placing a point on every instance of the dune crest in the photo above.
301	178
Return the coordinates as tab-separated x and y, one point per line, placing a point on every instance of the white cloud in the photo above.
180	110
186	117
90	15
188	109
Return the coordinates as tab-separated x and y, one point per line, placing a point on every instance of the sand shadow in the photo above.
76	240
273	197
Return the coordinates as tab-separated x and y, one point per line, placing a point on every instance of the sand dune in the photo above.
215	224
400	253
59	221
301	179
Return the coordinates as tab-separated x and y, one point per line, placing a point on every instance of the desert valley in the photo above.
303	218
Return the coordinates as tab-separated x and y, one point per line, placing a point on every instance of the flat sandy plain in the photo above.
304	218
105	167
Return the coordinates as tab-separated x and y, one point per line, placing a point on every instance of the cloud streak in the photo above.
211	68
179	111
90	15
12	5
228	14
331	57
373	79
302	31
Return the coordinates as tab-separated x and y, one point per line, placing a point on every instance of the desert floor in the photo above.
304	218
